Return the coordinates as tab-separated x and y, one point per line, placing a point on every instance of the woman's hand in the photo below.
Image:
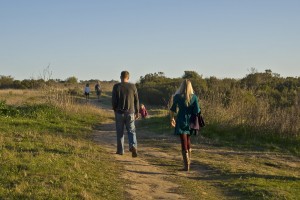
173	122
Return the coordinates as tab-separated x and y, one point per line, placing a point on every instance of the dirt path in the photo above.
145	180
149	175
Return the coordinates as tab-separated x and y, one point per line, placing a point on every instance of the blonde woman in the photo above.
185	103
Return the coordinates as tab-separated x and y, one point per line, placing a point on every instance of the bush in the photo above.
8	111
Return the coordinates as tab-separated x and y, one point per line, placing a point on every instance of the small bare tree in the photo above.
47	74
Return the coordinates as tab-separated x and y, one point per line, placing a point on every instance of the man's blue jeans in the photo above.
127	120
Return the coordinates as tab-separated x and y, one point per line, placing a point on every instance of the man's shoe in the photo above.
119	153
134	152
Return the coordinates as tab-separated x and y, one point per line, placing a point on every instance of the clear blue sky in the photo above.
94	39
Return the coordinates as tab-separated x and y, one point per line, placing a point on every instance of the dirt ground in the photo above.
144	180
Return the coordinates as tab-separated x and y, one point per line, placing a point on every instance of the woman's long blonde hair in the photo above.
186	90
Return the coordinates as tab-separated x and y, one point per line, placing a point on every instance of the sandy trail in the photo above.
145	181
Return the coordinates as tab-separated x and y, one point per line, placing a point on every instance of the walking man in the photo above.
125	103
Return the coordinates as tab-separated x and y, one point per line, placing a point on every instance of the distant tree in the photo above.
251	81
156	77
46	74
268	71
28	83
6	82
39	83
191	75
72	80
17	84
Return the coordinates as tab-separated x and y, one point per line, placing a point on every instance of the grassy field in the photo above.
227	166
46	151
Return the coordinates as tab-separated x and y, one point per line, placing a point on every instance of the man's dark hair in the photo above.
124	74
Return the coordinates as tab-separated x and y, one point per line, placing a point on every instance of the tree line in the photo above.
8	82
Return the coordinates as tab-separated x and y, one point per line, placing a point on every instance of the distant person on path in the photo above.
143	111
87	91
98	90
125	103
185	103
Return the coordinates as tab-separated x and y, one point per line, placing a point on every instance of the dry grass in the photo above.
72	104
57	96
257	114
19	97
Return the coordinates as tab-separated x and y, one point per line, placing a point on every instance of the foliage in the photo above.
266	102
72	80
191	75
156	89
6	81
9	82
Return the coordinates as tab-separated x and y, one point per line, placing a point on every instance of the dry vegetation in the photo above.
254	114
59	98
18	97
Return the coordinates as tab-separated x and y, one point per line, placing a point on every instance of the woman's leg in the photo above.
188	139
189	147
184	148
184	142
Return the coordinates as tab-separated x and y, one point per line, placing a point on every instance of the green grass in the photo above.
228	163
158	124
47	153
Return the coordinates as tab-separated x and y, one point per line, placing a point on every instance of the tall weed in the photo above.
245	110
